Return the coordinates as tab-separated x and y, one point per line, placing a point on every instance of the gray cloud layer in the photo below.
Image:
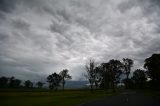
38	37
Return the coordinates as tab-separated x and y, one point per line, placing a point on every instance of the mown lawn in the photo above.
59	98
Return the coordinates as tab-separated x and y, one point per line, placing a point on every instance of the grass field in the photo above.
59	98
153	93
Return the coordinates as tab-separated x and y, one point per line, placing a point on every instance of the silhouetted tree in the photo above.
14	82
139	78
28	84
3	82
98	76
106	77
11	81
129	82
115	70
50	81
152	64
65	76
54	81
91	74
127	64
40	84
17	83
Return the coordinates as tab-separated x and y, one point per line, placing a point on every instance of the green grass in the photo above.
60	98
153	93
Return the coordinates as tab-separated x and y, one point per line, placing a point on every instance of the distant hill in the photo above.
76	84
69	84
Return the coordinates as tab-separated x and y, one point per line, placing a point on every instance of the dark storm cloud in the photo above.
20	24
40	37
58	27
7	5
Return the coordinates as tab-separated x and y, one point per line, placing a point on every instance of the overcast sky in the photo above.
39	37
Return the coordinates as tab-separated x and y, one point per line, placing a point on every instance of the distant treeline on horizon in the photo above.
103	76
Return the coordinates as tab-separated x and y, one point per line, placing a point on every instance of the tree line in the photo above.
12	82
54	80
109	74
103	76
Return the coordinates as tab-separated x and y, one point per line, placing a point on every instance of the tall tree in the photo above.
127	64
40	84
28	84
91	75
50	81
54	81
139	78
115	69
14	82
152	64
11	81
105	73
65	76
98	76
3	82
17	83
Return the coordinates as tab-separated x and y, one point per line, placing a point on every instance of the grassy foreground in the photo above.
60	98
153	93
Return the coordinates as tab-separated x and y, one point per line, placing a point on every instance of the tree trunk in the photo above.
104	79
113	86
91	87
63	84
127	83
127	76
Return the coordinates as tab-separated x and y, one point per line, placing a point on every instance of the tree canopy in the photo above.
65	76
54	80
152	65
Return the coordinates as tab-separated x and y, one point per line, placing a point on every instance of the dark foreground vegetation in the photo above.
101	77
58	98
